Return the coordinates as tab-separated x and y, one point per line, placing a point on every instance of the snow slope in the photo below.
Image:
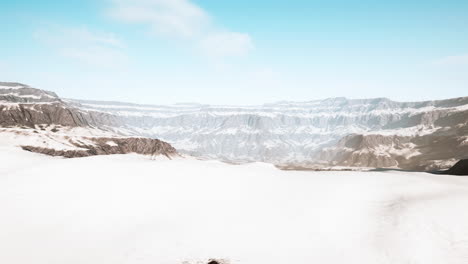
130	209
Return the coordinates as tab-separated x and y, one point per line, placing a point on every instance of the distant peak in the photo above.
13	85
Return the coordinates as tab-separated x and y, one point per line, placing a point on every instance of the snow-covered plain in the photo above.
130	209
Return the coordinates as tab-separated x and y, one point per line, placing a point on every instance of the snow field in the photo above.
130	209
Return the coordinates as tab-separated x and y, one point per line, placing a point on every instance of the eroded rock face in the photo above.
21	93
338	131
430	135
22	105
434	151
32	114
107	146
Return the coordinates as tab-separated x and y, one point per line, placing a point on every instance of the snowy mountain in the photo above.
307	135
22	105
128	209
331	132
39	121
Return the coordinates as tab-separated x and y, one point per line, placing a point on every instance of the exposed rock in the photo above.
378	132
460	168
78	153
21	93
52	114
107	146
22	105
302	133
218	261
209	261
429	152
33	114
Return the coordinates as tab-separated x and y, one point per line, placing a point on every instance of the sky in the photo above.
239	52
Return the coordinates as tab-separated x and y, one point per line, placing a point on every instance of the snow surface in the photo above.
13	87
130	209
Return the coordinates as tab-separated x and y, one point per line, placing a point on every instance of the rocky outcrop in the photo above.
366	151
107	146
22	105
30	115
45	114
30	110
433	151
21	93
460	168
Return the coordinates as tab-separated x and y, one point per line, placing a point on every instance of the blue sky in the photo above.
236	52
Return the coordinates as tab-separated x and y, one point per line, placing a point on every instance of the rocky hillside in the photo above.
39	121
21	93
21	105
442	143
426	152
107	146
333	132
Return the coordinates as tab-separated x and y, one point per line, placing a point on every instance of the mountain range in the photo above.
335	133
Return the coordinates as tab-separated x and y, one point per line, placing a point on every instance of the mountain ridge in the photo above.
39	121
299	133
329	99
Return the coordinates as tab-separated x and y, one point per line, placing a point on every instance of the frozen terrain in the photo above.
335	132
130	209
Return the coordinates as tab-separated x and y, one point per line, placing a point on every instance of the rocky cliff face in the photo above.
434	148
33	114
332	132
21	105
21	93
39	121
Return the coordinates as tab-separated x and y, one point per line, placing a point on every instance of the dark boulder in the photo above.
460	168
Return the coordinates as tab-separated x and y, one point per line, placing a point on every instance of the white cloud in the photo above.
227	44
95	55
93	48
182	19
453	60
175	17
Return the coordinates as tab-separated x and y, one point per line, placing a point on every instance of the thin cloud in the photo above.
227	44
453	60
80	44
178	18
185	20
